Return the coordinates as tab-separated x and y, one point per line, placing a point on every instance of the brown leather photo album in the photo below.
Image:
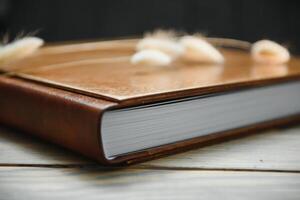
89	98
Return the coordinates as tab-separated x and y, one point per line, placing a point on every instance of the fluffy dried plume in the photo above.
269	52
198	50
19	49
151	57
164	41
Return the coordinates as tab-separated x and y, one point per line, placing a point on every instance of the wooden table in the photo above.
259	166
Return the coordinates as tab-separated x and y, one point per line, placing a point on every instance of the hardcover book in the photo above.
89	98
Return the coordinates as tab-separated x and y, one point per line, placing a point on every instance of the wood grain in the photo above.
54	173
92	183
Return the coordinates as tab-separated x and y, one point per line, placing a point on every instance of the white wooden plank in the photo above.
19	183
272	150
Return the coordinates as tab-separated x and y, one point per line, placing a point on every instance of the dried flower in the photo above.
151	57
269	52
197	49
19	49
164	41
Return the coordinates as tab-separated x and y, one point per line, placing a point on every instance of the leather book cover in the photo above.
61	92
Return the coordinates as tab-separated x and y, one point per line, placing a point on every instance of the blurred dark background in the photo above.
59	20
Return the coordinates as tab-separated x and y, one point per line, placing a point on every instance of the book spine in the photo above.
65	118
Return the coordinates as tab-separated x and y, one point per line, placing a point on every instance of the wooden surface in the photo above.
260	166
